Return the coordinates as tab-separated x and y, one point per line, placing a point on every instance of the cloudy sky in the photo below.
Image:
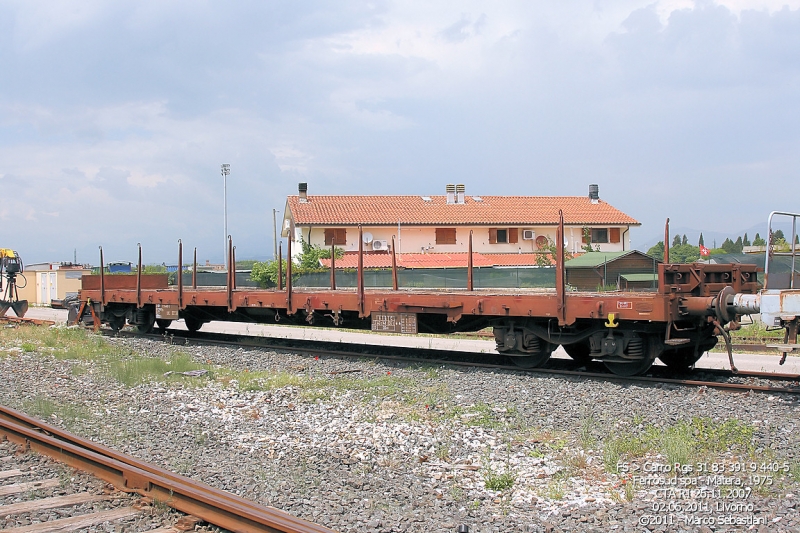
116	116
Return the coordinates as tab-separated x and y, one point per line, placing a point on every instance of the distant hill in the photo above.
693	235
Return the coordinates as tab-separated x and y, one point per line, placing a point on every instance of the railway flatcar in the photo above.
694	305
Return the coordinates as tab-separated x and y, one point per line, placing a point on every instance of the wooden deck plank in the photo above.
64	525
51	503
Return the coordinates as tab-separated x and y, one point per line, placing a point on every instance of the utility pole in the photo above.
274	234
226	169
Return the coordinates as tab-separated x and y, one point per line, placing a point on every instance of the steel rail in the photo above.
132	475
29	321
600	376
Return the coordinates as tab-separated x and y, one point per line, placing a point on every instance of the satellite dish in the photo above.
367	237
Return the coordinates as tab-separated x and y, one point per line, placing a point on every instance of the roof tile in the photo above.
413	210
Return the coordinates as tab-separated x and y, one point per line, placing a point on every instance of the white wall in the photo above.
418	239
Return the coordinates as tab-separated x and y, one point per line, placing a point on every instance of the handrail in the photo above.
792	247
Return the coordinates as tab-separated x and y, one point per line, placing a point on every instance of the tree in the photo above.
778	234
701	242
587	240
676	241
657	250
738	245
729	246
758	241
745	240
684	253
266	273
684	240
681	253
778	244
548	254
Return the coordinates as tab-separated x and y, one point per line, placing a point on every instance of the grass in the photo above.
139	370
757	333
61	342
684	442
587	439
499	481
478	415
556	489
794	471
46	409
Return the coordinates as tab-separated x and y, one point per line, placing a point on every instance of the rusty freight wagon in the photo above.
693	305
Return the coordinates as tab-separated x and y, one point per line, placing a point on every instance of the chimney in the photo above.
451	193
460	190
302	188
594	193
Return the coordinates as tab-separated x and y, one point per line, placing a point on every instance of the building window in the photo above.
445	235
600	235
334	236
506	235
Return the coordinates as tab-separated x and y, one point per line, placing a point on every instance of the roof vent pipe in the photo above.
302	188
451	193
460	190
594	193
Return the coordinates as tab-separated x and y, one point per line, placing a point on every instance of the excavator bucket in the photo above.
19	307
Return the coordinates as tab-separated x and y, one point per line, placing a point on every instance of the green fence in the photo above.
438	278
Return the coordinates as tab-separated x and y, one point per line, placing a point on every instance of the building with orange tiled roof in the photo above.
442	224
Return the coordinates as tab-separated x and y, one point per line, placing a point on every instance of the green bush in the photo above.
266	273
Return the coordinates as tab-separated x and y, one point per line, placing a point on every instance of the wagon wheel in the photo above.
653	347
146	320
163	323
116	323
532	360
684	358
579	351
193	324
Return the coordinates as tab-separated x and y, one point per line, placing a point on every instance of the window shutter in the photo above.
445	235
513	235
613	235
586	237
492	235
340	236
329	236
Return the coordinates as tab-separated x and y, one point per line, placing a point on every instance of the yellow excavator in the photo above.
10	267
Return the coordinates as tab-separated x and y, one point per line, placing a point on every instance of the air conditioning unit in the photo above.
380	245
528	235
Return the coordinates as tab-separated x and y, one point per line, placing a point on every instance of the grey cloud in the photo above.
463	29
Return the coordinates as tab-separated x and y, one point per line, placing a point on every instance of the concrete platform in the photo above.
744	361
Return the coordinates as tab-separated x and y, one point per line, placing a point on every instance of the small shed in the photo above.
631	270
43	282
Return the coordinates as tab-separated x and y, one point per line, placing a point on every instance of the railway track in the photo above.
126	474
764	382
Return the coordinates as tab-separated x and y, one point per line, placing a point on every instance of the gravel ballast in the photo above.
367	445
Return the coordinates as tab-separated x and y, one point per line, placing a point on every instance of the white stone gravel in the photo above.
414	457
